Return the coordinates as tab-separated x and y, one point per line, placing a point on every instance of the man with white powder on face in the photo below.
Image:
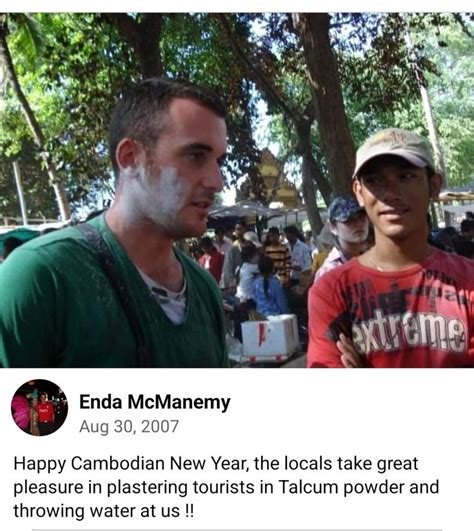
116	292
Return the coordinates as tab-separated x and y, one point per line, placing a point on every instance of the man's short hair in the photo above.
292	229
139	110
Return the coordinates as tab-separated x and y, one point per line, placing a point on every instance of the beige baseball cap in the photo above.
399	142
252	237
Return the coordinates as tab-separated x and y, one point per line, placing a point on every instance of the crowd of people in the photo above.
118	291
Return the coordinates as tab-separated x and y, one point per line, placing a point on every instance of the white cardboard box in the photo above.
275	339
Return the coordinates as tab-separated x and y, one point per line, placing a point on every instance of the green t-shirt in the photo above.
58	309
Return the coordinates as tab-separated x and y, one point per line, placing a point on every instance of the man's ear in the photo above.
129	153
436	182
357	188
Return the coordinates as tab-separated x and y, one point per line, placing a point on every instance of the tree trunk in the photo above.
327	94
6	60
309	194
428	110
144	37
302	123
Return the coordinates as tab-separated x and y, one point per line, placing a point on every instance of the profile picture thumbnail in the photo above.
39	407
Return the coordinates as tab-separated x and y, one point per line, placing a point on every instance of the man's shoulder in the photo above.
453	265
46	249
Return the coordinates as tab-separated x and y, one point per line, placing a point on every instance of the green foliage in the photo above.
72	66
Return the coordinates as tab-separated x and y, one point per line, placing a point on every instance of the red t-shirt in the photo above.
213	263
420	317
45	412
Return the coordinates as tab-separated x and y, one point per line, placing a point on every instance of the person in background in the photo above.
350	228
222	242
280	255
9	245
268	293
46	416
467	229
300	253
248	270
211	260
402	303
239	230
245	274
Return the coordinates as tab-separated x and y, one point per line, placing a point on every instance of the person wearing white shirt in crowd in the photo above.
350	228
300	253
222	242
248	271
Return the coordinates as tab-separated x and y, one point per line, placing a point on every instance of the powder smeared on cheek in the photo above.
155	197
169	191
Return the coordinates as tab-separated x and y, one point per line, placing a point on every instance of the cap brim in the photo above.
343	220
410	157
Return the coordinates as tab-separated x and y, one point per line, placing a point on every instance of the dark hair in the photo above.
266	268
10	244
463	247
206	243
467	225
220	229
247	251
139	111
274	230
293	229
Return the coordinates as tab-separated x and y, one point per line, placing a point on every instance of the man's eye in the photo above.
196	156
407	176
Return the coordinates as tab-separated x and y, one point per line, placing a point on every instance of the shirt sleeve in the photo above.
327	318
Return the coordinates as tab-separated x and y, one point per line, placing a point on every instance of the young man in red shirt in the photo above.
403	303
46	415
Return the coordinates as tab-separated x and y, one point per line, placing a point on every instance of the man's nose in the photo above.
214	179
391	188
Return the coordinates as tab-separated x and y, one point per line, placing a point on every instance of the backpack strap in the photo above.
108	266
